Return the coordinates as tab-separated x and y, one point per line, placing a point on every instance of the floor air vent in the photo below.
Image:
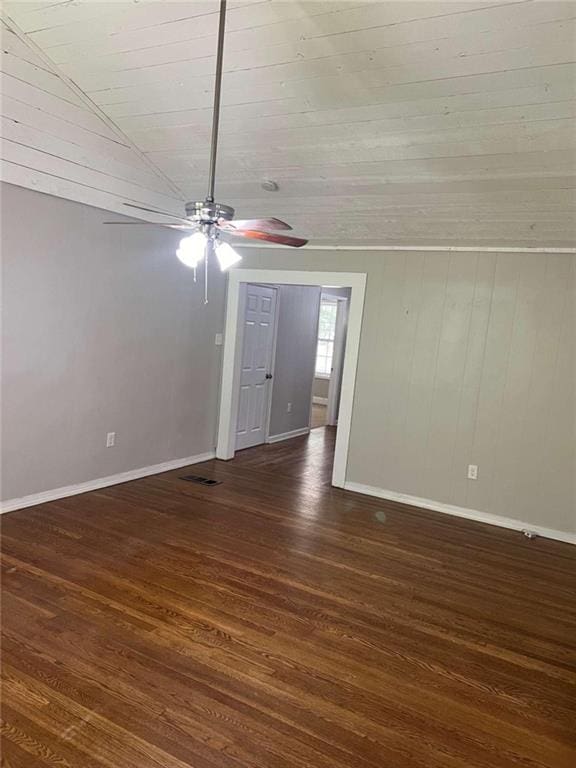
200	480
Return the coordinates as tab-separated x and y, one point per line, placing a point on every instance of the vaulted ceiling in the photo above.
411	123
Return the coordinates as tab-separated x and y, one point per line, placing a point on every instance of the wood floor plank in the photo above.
273	621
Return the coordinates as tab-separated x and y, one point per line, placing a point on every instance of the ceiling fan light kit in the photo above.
207	219
226	255
192	249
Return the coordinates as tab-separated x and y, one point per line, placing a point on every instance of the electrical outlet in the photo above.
110	439
289	408
218	340
472	471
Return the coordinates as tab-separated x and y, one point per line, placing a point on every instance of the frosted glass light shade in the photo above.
227	256
192	249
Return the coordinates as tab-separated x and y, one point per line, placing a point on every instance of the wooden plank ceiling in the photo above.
405	123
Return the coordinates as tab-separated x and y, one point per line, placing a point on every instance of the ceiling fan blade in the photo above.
271	223
269	237
150	224
155	210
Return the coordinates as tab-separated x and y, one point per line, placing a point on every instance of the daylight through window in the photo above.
326	333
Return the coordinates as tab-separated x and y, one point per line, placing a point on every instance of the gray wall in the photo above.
295	356
465	358
103	330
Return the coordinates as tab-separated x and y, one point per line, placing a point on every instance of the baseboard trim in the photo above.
469	514
320	400
288	435
102	482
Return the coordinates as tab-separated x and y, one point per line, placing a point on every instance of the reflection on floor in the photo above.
318	416
273	621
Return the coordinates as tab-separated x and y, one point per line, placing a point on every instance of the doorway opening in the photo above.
282	327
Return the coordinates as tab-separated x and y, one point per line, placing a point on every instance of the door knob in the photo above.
268	375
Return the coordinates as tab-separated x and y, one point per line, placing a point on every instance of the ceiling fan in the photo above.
208	219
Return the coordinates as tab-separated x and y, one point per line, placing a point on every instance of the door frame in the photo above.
356	281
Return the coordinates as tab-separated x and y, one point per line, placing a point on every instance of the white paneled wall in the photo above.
54	140
465	358
412	122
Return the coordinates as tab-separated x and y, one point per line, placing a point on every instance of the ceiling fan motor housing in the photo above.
208	212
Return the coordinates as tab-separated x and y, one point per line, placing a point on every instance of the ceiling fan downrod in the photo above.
216	108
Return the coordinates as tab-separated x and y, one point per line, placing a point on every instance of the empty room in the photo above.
288	384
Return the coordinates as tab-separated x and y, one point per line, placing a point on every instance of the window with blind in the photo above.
326	333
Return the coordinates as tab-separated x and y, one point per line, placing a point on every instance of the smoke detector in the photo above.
269	186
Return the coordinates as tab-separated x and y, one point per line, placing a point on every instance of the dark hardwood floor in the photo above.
275	622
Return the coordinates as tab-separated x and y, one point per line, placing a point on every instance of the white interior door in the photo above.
256	365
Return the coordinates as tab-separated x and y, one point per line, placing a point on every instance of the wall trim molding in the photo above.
101	482
320	400
288	435
469	514
434	248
